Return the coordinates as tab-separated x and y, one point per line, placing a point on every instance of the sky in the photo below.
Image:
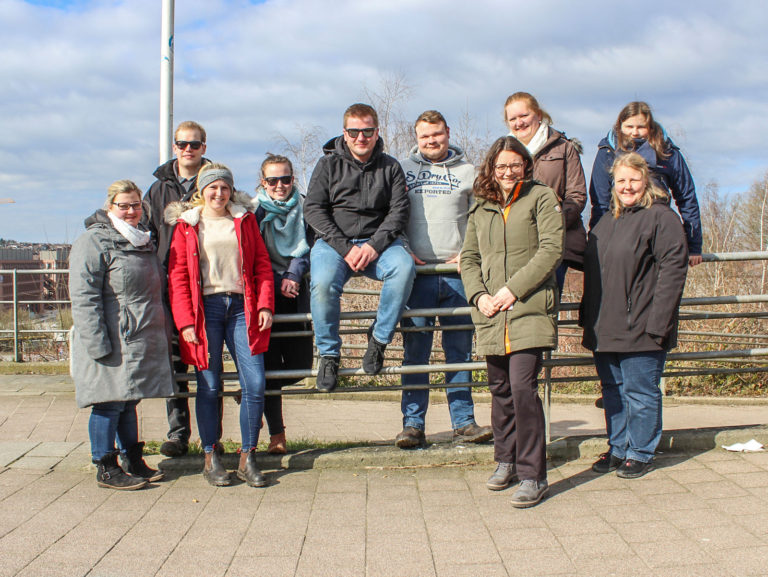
80	82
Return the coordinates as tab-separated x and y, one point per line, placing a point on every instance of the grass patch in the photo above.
294	445
43	368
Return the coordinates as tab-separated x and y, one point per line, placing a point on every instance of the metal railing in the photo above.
733	356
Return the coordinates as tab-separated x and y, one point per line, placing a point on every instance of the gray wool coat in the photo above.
120	340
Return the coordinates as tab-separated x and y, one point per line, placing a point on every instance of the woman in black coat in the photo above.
634	274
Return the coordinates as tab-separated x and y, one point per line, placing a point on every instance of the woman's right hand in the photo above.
188	334
486	305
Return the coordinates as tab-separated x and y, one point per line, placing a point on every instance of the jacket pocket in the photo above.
127	323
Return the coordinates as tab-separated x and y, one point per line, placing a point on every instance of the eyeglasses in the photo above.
195	144
127	205
355	132
503	168
273	180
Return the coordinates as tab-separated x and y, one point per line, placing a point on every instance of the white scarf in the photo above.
539	139
132	234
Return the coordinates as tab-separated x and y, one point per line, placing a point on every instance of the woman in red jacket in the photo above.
222	290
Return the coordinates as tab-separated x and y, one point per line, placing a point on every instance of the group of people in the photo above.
226	262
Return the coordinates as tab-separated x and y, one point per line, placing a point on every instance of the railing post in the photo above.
16	344
547	395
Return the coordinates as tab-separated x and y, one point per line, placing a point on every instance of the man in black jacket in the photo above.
358	206
176	181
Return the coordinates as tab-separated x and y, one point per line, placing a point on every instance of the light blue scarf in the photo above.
283	225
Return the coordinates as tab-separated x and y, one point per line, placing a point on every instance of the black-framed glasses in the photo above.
195	144
127	205
273	180
514	167
355	132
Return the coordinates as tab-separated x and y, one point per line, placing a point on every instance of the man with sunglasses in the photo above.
176	181
358	207
439	181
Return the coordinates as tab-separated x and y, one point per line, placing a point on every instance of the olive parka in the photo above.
521	254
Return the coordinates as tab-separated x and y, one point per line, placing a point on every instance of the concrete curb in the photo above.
447	454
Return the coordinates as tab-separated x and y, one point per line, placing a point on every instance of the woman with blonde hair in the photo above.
120	334
222	291
634	274
556	163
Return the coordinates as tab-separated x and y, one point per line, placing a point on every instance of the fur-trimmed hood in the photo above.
238	205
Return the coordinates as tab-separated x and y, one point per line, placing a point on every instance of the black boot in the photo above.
249	472
111	476
133	463
213	470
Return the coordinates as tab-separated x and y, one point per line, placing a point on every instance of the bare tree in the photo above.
392	92
466	135
304	151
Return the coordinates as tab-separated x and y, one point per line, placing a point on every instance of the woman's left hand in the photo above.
265	319
504	299
289	288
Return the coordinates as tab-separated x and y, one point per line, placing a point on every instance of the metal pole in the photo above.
16	352
166	81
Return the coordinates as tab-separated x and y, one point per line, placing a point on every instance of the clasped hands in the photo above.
360	256
501	301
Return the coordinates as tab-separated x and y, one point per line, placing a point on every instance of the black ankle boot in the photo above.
111	476
214	471
133	463
251	473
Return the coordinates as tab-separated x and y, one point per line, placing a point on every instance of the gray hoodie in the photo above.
440	195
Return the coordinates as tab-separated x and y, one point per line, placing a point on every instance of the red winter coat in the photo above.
185	284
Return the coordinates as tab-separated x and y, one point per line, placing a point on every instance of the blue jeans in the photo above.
632	402
109	421
437	291
225	322
329	274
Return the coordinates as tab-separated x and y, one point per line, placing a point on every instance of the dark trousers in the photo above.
517	415
291	353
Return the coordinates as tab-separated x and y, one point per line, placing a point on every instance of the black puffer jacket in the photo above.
349	200
165	190
634	274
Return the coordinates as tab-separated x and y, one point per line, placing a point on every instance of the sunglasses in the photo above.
355	132
182	144
126	205
273	180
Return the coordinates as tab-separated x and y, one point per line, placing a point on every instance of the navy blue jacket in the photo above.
671	174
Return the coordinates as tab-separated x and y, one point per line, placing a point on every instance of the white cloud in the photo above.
80	83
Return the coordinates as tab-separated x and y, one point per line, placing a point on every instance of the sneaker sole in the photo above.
626	475
525	504
492	487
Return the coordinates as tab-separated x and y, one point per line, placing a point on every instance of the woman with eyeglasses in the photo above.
281	221
636	130
222	291
634	274
513	245
556	163
120	337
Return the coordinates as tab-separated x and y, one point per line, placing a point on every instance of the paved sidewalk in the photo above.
379	511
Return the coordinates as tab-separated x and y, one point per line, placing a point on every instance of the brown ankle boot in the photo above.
277	444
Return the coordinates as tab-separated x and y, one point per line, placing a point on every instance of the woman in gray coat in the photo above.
119	341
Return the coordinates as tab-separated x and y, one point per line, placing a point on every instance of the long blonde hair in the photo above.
652	192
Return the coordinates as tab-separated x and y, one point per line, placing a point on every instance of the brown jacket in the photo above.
558	166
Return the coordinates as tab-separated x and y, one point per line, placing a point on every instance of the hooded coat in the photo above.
521	253
670	174
185	279
120	338
440	195
348	199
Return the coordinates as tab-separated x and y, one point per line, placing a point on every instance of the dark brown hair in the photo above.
485	184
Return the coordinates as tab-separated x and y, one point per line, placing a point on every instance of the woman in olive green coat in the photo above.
513	245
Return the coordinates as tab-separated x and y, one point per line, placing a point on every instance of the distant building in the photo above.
55	286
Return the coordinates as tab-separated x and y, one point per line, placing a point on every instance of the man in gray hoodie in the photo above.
439	182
